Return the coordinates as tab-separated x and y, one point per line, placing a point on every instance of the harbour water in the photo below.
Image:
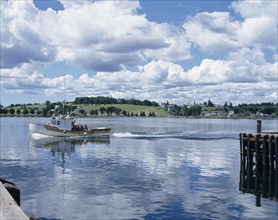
150	168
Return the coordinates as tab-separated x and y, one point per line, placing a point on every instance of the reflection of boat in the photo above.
60	125
58	142
60	147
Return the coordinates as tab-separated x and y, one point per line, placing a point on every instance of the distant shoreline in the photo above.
143	117
111	107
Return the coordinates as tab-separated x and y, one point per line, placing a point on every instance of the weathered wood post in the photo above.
271	166
276	167
258	168
265	167
259	126
241	146
243	151
241	171
243	168
259	149
249	164
258	200
257	186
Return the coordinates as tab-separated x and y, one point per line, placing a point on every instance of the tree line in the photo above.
28	110
111	110
184	110
241	110
266	108
109	100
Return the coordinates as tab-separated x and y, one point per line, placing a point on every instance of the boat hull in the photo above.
56	132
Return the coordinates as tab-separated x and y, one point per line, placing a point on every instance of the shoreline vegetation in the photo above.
111	107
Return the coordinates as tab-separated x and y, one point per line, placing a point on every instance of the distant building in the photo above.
213	114
231	113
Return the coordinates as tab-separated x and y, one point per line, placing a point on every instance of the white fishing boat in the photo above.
60	125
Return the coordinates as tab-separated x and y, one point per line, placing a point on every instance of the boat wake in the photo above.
127	135
174	135
38	136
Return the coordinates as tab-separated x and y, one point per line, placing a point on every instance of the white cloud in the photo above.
242	75
219	32
259	31
25	78
100	35
108	37
20	41
253	9
242	66
209	72
251	65
154	72
72	4
161	80
116	35
213	32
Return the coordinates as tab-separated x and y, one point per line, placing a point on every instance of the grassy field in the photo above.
135	109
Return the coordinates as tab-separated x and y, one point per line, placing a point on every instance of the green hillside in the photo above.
135	109
85	110
106	106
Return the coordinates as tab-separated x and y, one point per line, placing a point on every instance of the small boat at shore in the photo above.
59	125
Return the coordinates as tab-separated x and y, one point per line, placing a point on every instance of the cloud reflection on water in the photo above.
168	177
130	178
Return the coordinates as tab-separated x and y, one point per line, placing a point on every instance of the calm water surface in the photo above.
158	168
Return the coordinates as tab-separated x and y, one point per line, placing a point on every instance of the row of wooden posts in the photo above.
258	164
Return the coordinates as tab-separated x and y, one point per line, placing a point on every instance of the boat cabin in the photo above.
62	122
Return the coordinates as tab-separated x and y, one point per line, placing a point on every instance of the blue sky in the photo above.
176	51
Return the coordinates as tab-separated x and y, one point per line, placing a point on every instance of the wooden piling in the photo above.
259	164
257	155
271	166
276	167
243	150
257	149
249	164
265	167
259	126
241	145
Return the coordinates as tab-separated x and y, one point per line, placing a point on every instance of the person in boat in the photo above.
73	126
78	127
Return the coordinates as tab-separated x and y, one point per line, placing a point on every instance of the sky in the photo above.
177	51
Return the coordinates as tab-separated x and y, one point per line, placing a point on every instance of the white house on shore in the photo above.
213	114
